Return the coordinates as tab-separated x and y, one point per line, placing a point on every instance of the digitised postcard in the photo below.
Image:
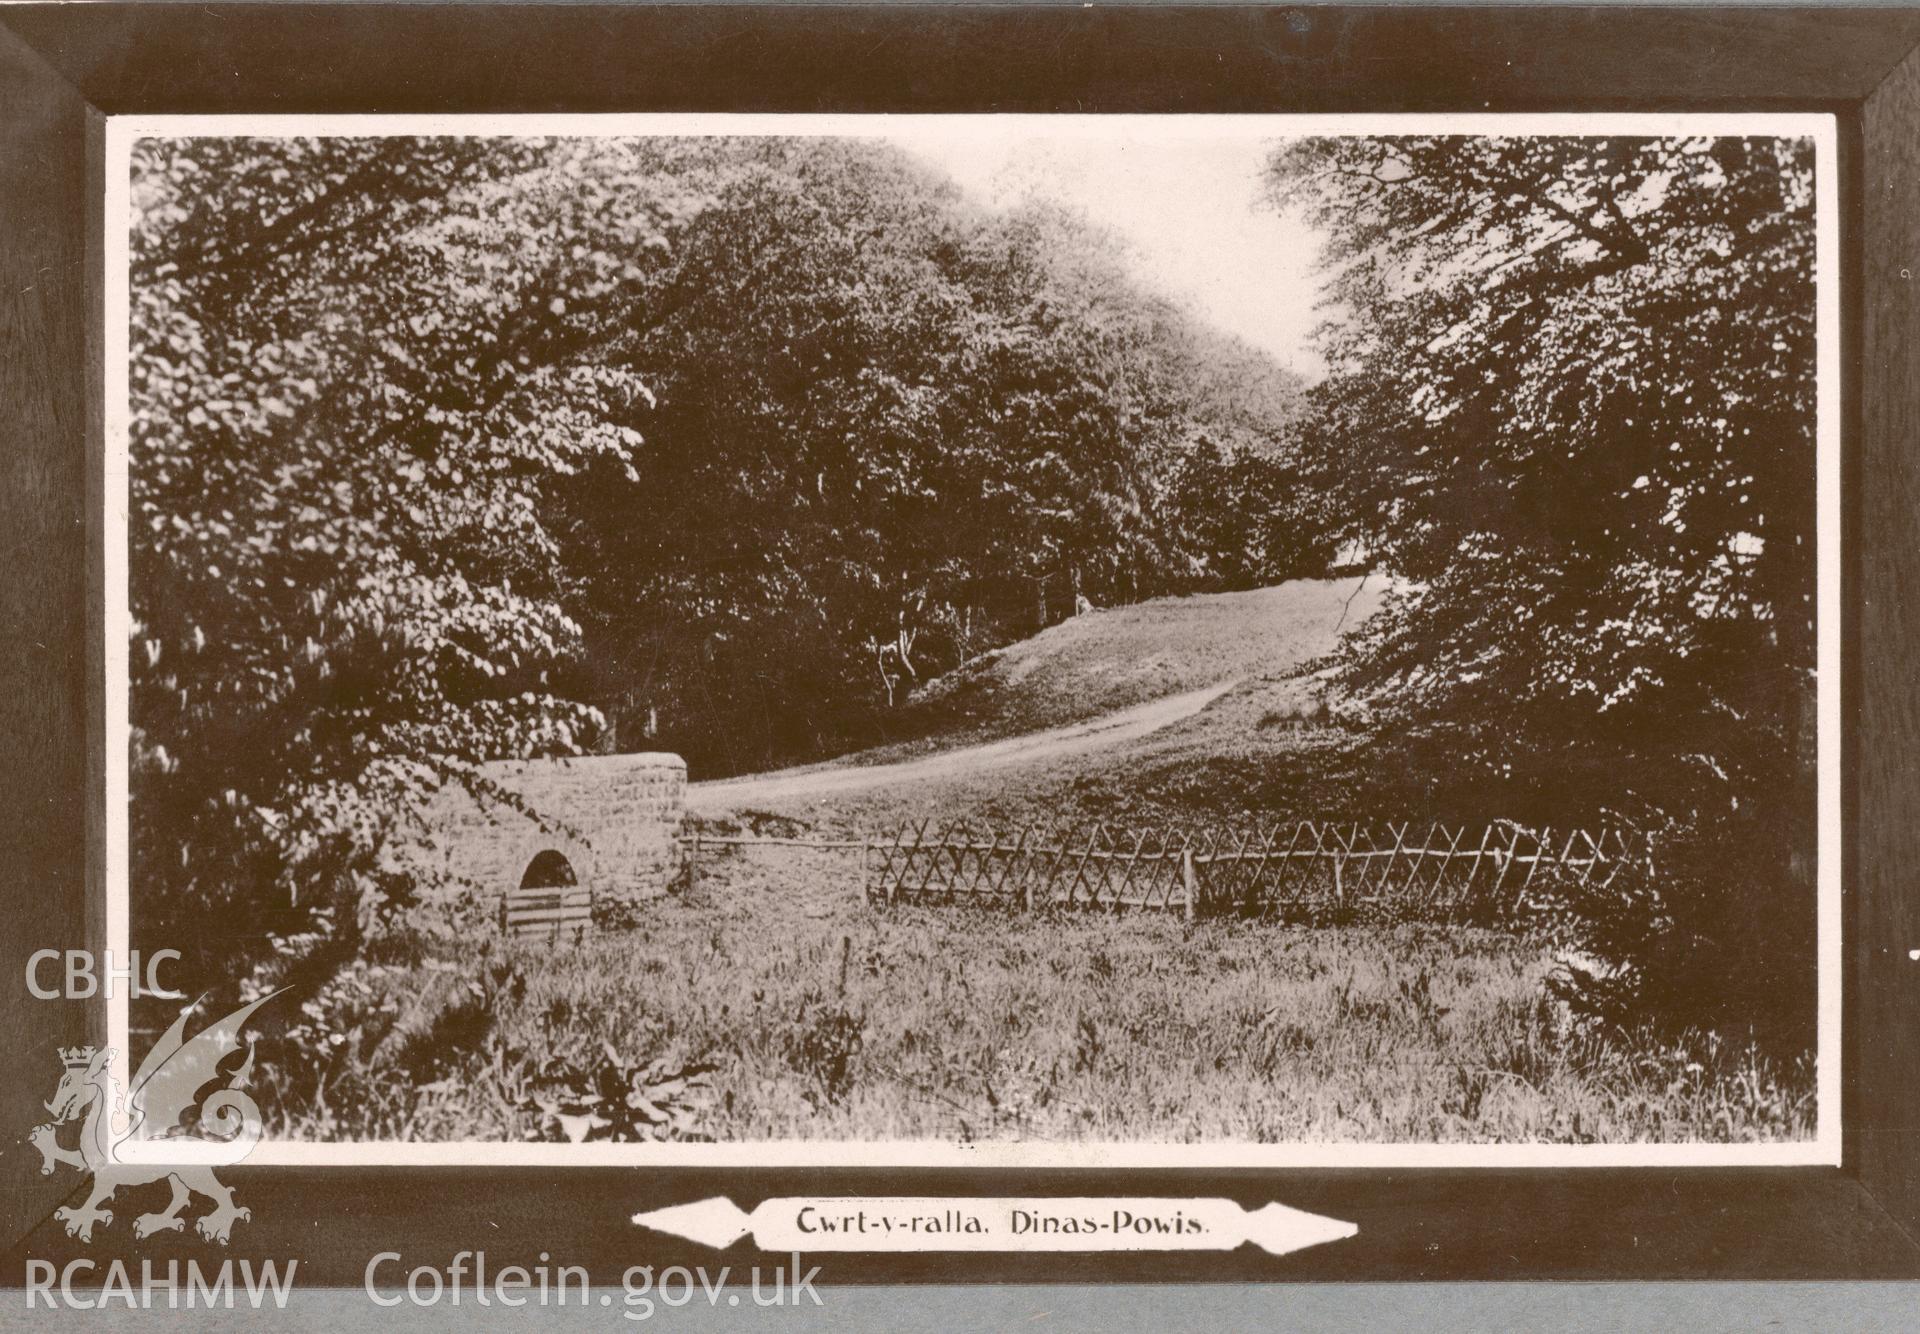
1006	640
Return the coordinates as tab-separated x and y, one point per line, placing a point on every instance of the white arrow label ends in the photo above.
1278	1230
717	1222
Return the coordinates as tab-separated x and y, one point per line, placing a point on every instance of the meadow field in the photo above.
772	1002
765	998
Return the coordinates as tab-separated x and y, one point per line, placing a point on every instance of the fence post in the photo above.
1187	875
693	863
898	837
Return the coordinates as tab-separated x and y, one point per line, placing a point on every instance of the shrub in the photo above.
1717	932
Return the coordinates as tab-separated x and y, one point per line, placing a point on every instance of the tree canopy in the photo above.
355	363
1571	400
891	426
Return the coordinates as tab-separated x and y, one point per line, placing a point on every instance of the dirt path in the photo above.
788	784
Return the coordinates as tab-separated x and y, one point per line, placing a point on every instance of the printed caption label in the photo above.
937	1223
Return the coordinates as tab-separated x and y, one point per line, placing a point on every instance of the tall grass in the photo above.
772	1003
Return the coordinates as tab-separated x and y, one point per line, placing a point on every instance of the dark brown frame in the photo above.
64	68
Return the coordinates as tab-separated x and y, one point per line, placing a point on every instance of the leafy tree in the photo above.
1571	401
730	581
355	365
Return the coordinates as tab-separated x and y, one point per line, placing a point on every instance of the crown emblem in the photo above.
76	1058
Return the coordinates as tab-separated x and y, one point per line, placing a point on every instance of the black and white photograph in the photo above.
1009	640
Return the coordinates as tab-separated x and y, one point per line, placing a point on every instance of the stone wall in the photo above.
615	818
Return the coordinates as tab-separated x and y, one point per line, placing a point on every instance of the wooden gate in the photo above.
549	902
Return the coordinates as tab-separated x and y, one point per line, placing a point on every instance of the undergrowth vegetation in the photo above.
770	1002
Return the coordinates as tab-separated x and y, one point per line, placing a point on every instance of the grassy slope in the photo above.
1241	761
1110	660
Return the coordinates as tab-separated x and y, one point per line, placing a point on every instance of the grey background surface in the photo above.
1697	1308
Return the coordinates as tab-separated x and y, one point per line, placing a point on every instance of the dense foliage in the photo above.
893	431
1571	400
354	365
439	446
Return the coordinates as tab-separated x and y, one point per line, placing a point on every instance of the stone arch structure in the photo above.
548	870
613	821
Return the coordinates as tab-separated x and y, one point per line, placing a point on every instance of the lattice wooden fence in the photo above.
1305	868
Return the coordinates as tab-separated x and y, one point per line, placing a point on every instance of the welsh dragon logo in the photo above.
166	1089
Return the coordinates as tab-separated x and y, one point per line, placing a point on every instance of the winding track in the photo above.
1075	739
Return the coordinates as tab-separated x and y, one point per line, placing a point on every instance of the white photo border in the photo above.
1824	1149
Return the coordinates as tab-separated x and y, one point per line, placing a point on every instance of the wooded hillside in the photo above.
453	449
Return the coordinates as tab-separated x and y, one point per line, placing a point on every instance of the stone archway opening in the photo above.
622	841
548	870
